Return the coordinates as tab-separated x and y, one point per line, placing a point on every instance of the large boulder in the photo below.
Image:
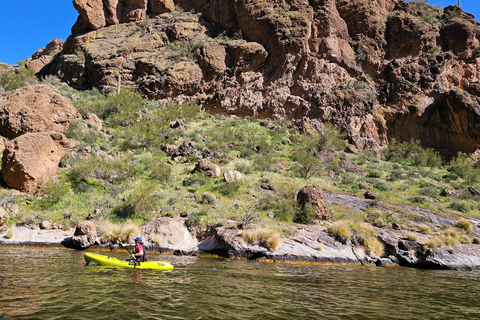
92	12
85	234
36	108
207	168
169	233
32	158
314	195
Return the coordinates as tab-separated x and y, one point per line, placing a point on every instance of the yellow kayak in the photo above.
111	261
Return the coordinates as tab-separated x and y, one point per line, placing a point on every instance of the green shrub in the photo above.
459	206
412	153
305	153
193	221
208	198
228	189
197	179
305	215
14	79
140	200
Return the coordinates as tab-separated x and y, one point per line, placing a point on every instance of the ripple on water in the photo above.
56	284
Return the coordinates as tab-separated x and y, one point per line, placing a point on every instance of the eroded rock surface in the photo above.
376	68
32	158
36	108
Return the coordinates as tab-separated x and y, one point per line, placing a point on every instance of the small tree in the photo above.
306	154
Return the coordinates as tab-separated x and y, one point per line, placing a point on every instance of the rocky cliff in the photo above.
377	68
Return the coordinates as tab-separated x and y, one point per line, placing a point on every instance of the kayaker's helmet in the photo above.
138	239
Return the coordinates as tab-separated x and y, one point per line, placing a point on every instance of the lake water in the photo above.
56	284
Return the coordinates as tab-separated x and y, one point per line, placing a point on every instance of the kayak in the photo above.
102	260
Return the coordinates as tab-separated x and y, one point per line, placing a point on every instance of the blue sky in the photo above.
26	26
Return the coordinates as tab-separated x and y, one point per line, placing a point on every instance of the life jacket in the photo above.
144	257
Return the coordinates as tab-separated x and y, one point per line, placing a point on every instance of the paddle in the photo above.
131	254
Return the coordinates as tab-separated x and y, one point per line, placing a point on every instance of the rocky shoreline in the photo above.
300	244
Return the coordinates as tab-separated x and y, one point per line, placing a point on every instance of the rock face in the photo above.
35	108
376	68
44	56
314	195
32	158
85	234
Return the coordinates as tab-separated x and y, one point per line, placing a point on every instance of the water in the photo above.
56	284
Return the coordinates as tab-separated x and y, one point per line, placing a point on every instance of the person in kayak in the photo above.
139	254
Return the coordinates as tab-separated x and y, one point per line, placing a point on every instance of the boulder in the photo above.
313	195
36	108
32	158
207	168
232	176
169	233
92	12
93	121
85	234
45	225
161	6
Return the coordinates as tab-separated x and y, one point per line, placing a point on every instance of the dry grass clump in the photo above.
11	232
450	236
345	230
267	238
412	236
126	232
464	224
424	229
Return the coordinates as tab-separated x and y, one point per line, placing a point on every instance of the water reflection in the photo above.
56	284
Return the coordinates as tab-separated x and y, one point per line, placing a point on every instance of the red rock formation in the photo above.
35	108
314	195
33	158
361	65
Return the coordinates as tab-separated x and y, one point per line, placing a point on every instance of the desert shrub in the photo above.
380	186
13	79
305	215
228	189
464	167
243	167
138	202
95	171
197	179
459	206
207	198
193	220
250	217
267	238
412	153
79	132
417	199
305	153
432	192
265	162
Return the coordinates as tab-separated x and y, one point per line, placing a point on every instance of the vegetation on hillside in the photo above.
128	178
